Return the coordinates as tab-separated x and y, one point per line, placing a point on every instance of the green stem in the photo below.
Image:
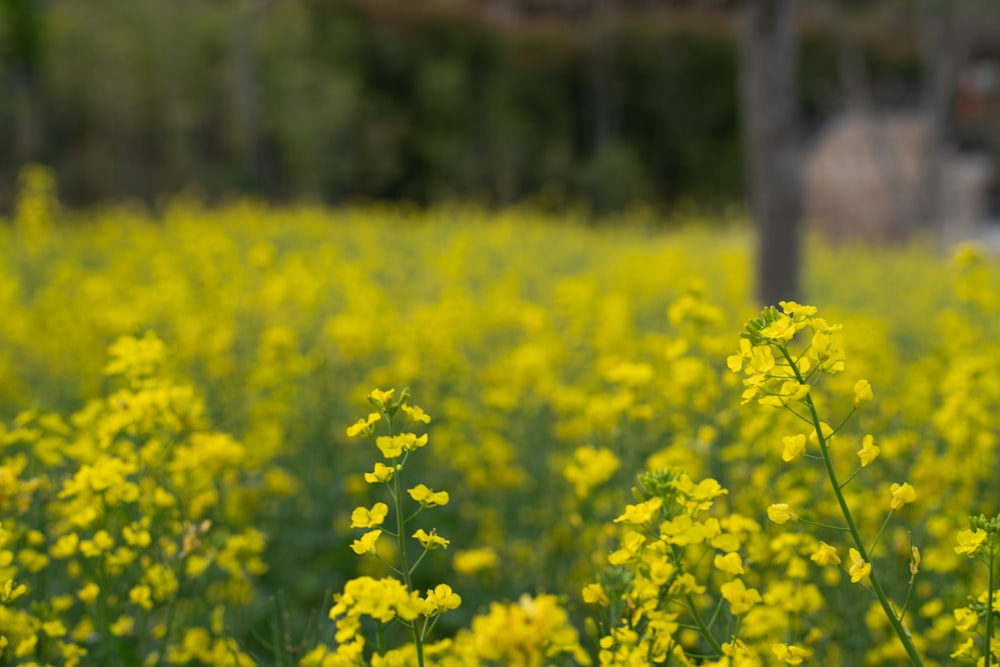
878	536
989	606
705	632
397	494
897	625
822	525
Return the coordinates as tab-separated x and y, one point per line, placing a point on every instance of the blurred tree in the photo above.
20	53
769	96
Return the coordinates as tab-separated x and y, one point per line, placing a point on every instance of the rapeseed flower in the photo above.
869	451
859	568
901	495
970	542
362	517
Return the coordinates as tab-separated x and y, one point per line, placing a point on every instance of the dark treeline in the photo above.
391	99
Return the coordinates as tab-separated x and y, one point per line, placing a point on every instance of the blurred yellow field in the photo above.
182	462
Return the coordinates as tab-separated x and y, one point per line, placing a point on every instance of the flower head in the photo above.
862	392
430	540
970	541
781	513
825	555
901	495
860	568
869	450
795	446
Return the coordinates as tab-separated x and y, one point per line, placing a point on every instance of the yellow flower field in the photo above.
243	435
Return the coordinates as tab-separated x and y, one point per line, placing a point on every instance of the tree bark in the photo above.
768	56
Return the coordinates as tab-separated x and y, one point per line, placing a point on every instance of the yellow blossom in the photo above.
367	542
430	540
859	567
825	555
869	450
729	563
964	650
740	598
781	513
380	475
966	619
594	594
416	414
862	393
427	497
443	599
901	495
363	427
970	541
475	560
644	512
363	517
795	446
381	398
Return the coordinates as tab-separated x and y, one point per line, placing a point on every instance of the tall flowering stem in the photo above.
398	600
982	542
785	382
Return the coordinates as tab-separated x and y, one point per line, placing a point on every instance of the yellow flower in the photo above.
363	427
636	515
367	542
362	517
380	475
781	513
393	446
795	446
474	560
122	626
869	450
740	598
730	563
966	619
825	555
594	594
782	329
430	540
862	393
789	654
380	398
914	561
141	595
443	599
428	498
859	567
901	495
89	592
964	650
970	541
65	546
416	414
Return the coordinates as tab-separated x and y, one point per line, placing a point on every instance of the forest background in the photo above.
605	104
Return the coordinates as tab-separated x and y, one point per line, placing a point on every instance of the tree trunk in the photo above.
767	60
946	34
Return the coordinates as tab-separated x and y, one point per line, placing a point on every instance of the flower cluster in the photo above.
117	537
392	598
779	375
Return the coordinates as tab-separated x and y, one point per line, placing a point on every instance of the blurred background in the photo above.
601	104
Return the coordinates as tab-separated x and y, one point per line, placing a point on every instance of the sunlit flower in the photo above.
859	567
901	495
781	513
825	555
970	541
363	517
869	450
